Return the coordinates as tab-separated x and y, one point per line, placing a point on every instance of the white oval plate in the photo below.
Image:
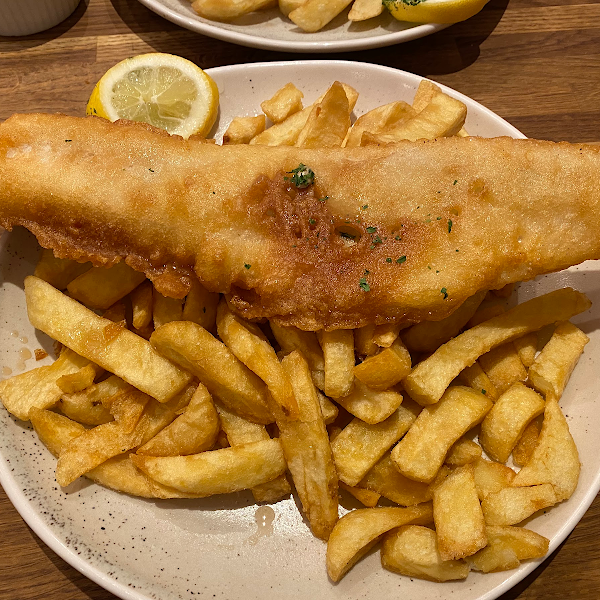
171	549
270	30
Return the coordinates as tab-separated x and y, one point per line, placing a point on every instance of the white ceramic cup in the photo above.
23	17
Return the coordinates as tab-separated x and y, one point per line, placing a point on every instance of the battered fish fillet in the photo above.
404	232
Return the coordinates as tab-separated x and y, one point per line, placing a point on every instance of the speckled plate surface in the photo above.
226	547
270	30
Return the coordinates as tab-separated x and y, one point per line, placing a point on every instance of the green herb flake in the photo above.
324	199
449	225
483	391
247	266
377	240
311	221
455	182
364	286
365	206
388	260
371	229
302	176
444	292
397	238
401	260
367	271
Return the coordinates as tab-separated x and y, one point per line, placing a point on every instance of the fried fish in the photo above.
328	238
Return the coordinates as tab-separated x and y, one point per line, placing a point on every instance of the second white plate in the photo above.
270	30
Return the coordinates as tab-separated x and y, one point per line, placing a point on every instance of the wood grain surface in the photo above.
534	62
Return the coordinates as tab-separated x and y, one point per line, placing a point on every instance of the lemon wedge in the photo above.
434	11
164	90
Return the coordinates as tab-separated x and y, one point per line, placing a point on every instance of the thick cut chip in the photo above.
358	531
38	387
427	336
287	6
218	471
101	288
307	450
555	459
328	409
225	11
365	497
526	444
240	431
365	9
338	354
421	453
285	102
80	380
386	334
511	505
429	379
306	342
424	94
315	14
191	432
444	116
475	377
114	348
91	406
226	377
552	369
165	309
507	547
458	516
504	424
386	369
491	477
386	480
201	307
503	366
58	272
141	305
377	120
328	122
370	405
363	341
412	550
360	445
526	346
463	452
251	347
242	129
55	431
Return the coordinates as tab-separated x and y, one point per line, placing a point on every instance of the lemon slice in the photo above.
434	11
164	90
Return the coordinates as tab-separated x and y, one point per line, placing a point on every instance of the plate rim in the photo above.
263	43
43	530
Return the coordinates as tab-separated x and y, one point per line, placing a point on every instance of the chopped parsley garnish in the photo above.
483	391
365	207
371	229
449	225
388	260
377	240
302	176
311	221
455	182
364	286
324	199
398	238
401	260
247	265
444	292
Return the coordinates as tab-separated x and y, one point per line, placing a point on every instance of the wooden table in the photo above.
534	62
